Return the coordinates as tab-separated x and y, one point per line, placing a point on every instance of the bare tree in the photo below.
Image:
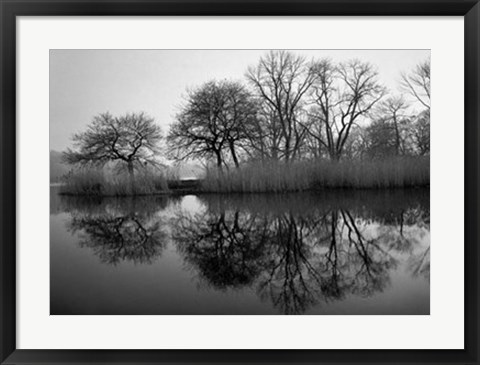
281	80
264	136
239	119
421	133
214	120
343	94
392	110
417	83
379	139
132	140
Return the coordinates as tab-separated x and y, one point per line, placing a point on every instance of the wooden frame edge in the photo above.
8	12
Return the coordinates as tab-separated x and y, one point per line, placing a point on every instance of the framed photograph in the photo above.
239	182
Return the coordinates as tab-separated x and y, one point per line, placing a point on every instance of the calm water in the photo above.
326	253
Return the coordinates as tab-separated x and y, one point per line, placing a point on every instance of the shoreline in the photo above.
177	192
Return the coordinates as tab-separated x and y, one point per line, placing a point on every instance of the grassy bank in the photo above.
271	177
399	172
98	182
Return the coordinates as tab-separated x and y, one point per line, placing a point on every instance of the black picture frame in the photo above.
469	9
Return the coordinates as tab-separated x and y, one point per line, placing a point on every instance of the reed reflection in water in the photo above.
325	253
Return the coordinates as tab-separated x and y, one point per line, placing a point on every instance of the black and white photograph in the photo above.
239	182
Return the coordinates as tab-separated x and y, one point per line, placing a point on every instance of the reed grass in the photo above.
260	177
396	172
101	182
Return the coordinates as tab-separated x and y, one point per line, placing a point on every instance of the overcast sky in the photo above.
84	83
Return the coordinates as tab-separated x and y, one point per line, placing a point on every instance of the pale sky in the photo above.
84	83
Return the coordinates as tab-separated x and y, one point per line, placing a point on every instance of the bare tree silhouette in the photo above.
281	80
343	94
215	120
417	83
131	140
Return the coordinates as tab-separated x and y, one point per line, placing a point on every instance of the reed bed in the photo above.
101	182
398	172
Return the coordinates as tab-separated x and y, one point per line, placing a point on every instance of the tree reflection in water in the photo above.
226	247
295	251
119	229
303	249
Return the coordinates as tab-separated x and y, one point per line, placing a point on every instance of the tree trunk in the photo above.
234	154
219	159
397	136
334	154
287	149
131	176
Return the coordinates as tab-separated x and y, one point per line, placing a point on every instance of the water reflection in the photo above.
118	229
303	250
295	252
228	248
